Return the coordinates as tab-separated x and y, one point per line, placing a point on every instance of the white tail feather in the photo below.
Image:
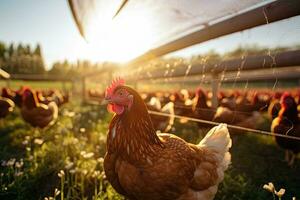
218	139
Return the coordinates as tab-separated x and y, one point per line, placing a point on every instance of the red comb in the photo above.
115	83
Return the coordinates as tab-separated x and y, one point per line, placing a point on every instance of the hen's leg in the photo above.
292	160
287	156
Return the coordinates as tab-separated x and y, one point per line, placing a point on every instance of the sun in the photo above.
121	39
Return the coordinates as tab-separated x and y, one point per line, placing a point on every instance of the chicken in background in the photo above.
243	104
228	102
243	119
274	106
95	94
8	93
66	97
287	123
225	115
260	101
165	98
161	123
15	96
298	101
41	98
19	96
200	108
35	113
141	164
182	104
56	96
6	106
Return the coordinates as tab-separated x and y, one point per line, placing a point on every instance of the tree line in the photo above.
21	59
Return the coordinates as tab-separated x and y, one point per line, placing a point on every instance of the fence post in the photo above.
64	86
214	90
83	89
73	87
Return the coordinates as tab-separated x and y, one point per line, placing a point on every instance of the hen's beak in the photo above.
106	101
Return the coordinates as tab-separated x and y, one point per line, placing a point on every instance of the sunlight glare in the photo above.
121	39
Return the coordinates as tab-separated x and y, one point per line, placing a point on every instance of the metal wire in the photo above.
209	109
229	126
216	123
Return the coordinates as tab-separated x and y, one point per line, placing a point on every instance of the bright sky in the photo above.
50	23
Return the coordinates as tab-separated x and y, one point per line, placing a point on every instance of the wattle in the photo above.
118	109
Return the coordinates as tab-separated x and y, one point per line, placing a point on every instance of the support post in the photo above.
64	86
83	82
214	89
73	87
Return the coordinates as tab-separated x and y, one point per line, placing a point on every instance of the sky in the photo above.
50	23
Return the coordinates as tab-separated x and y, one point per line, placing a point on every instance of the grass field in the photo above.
32	159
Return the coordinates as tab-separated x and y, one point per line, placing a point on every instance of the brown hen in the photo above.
287	123
6	106
35	113
143	165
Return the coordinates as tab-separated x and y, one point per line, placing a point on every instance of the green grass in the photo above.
76	144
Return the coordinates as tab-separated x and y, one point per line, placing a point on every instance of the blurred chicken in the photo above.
274	106
246	120
19	96
225	115
161	123
243	104
183	105
287	123
57	97
35	113
6	106
260	101
8	93
42	99
200	108
66	97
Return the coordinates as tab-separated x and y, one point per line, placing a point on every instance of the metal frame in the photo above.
272	12
279	60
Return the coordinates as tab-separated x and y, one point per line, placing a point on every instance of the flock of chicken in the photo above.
38	108
236	108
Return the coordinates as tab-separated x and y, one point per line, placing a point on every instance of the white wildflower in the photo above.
38	141
69	165
280	193
88	155
61	173
270	187
82	130
56	192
